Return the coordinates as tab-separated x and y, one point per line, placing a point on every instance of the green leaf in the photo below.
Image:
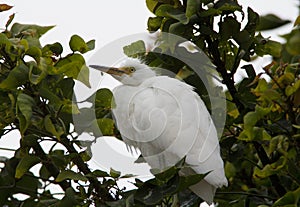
52	128
230	170
178	29
91	44
83	76
250	71
166	174
100	173
25	104
44	173
228	6
36	75
152	5
154	23
25	164
34	52
70	199
55	48
69	174
293	43
270	21
166	10
187	181
270	47
106	126
48	94
114	173
28	184
135	49
251	118
229	27
192	7
29	29
290	199
78	44
73	66
104	98
253	20
210	12
17	77
270	169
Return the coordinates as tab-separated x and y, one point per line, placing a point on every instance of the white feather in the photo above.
166	120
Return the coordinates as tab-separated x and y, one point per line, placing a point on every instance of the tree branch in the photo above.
52	169
102	194
265	161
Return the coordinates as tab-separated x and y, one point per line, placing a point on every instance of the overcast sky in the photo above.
106	21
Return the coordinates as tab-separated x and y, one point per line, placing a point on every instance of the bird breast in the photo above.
167	121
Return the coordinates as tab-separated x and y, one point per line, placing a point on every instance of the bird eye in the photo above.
131	69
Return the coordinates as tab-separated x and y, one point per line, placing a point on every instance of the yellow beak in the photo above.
110	70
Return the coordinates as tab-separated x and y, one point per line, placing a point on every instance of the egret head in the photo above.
130	72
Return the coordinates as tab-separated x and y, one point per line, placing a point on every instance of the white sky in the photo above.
106	21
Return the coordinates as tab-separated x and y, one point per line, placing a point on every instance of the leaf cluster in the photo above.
260	142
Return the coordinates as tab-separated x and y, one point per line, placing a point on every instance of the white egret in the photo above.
166	120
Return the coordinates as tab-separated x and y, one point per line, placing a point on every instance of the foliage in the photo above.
260	144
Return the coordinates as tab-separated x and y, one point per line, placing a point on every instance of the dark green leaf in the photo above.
250	71
167	174
229	28
293	43
55	49
270	21
25	104
25	164
44	173
166	10
100	173
229	6
54	129
69	199
28	184
192	7
187	181
154	23
253	20
17	77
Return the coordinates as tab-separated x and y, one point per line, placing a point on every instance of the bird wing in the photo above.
167	121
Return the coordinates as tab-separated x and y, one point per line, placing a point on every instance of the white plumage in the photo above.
166	120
